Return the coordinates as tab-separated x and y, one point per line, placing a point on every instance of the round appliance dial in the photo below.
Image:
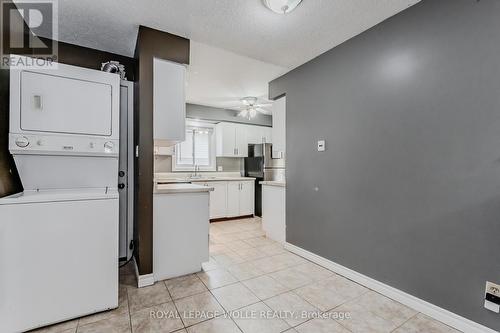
22	142
108	146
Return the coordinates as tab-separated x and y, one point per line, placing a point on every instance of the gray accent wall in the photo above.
409	186
218	114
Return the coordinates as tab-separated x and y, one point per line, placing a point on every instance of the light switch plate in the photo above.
220	168
321	145
492	289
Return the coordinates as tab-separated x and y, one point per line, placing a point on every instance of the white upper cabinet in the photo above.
169	116
259	134
279	128
232	140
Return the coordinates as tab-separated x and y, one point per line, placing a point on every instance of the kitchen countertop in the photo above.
181	188
274	183
204	179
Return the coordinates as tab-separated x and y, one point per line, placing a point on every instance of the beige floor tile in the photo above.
362	320
343	286
253	234
184	286
259	318
265	287
227	258
269	264
244	271
215	248
290	259
323	298
272	249
423	324
238	245
161	318
217	278
210	265
313	271
217	325
386	308
117	324
146	297
297	309
259	241
65	327
234	296
321	325
198	308
291	279
251	254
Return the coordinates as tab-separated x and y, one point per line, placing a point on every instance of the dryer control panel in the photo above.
62	145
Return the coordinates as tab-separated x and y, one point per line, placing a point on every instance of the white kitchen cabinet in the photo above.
218	198
232	140
180	228
233	199
274	212
240	198
169	102
259	134
279	128
267	135
247	198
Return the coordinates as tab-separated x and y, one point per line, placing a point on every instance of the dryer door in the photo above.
58	104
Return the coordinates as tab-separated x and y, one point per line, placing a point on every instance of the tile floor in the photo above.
247	282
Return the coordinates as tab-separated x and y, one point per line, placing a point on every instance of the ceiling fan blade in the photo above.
264	111
263	105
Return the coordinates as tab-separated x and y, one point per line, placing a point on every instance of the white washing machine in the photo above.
59	238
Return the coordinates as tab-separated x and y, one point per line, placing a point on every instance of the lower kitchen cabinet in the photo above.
247	198
218	199
231	198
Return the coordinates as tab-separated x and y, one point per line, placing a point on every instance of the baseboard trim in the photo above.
143	280
431	310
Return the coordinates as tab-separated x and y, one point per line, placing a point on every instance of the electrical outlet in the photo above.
493	288
220	168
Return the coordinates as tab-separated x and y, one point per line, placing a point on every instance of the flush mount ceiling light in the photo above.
282	6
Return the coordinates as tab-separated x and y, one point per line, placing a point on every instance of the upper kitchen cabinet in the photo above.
232	140
169	97
279	128
259	134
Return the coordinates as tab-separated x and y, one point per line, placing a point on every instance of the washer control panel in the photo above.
62	145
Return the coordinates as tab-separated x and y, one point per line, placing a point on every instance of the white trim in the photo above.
431	310
143	280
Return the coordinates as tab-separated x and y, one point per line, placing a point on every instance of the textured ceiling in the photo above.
245	27
220	78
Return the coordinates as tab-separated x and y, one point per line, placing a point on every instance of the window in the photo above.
198	149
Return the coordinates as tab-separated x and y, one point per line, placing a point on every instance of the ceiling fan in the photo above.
250	107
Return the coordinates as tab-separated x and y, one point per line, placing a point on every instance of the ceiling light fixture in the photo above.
250	108
282	6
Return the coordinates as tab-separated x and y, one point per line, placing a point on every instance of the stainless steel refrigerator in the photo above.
260	165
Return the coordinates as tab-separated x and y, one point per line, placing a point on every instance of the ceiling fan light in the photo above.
252	113
282	6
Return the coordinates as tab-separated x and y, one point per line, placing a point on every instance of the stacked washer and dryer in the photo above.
59	238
